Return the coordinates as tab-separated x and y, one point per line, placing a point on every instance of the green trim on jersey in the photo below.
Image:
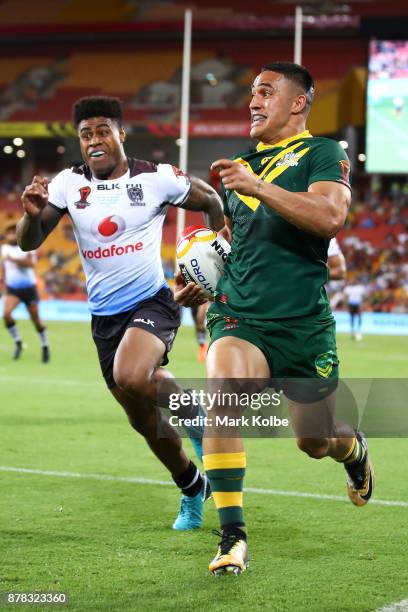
276	270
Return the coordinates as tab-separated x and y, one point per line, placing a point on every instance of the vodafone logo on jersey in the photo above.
109	228
106	230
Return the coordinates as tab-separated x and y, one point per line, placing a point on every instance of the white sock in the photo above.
14	333
43	337
201	337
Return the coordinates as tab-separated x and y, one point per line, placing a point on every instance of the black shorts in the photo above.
159	315
354	309
28	296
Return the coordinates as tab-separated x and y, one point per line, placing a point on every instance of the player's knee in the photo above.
135	383
8	319
316	448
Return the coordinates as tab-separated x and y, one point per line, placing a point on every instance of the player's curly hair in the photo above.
97	106
295	73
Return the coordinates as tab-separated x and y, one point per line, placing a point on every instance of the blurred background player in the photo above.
337	273
199	313
398	103
355	293
20	286
336	261
117	205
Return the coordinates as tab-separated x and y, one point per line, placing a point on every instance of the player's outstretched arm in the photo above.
39	217
26	262
203	198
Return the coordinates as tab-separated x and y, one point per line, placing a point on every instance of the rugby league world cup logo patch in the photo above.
84	194
345	169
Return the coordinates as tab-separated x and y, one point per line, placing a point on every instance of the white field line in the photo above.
400	606
139	480
60	382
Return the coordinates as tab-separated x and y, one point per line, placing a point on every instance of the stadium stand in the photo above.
43	88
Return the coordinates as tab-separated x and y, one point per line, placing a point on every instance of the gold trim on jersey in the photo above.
262	146
253	202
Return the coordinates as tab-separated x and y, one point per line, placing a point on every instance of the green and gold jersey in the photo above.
276	270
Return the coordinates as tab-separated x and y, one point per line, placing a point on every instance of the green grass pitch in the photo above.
108	543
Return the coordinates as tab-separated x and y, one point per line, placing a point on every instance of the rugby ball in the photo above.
201	254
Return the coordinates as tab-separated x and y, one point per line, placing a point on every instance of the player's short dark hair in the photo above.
10	227
295	73
97	106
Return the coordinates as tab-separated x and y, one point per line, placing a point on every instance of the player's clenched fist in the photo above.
236	177
35	196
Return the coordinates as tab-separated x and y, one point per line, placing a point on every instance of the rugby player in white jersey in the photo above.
117	206
20	286
336	262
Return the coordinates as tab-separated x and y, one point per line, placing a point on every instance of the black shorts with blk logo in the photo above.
159	315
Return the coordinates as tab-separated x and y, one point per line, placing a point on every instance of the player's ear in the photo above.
299	104
122	134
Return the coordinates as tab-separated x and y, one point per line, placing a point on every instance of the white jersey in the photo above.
355	294
17	277
334	248
118	227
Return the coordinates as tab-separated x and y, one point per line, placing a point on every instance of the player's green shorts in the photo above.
301	352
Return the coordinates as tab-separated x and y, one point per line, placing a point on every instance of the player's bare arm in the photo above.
39	217
337	267
322	210
204	198
26	262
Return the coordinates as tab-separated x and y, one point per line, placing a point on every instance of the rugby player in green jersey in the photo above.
283	202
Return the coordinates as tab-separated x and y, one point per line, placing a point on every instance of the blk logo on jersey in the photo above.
109	228
84	194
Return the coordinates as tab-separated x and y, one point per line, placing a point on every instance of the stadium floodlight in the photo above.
18	142
344	144
361	157
8	149
21	153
